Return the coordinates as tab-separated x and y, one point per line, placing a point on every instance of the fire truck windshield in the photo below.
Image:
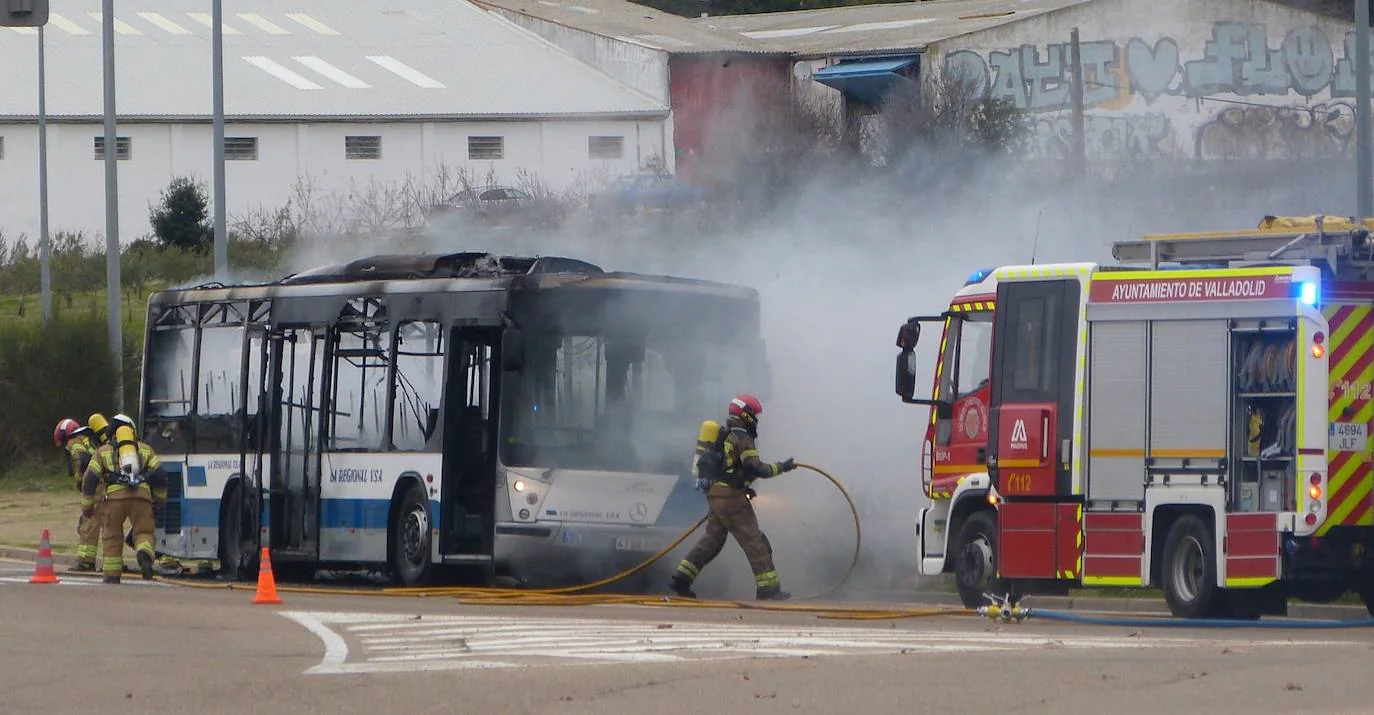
975	349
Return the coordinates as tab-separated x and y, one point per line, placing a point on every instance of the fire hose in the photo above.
574	595
526	593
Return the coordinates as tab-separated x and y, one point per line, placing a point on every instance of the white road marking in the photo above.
385	643
74	580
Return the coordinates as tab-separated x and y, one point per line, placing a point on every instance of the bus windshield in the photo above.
587	401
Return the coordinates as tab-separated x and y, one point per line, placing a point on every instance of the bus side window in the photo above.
167	392
419	385
358	409
217	394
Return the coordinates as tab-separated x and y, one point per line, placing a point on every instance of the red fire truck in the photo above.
1194	420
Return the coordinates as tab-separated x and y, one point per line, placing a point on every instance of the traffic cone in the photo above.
267	584
42	568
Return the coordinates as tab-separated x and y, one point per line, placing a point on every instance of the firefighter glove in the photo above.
750	493
786	465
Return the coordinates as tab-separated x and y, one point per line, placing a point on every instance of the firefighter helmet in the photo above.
66	429
746	408
100	426
123	420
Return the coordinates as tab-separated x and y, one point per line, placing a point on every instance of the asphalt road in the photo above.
151	648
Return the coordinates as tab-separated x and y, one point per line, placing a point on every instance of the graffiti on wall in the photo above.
1239	58
1321	131
1140	136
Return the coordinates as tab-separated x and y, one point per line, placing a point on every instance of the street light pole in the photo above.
112	282
1363	179
217	82
45	274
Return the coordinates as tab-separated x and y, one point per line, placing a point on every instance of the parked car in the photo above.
648	190
500	205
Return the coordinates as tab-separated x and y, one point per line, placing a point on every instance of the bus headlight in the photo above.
518	485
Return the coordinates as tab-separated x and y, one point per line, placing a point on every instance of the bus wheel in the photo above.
1190	570
234	559
975	570
410	532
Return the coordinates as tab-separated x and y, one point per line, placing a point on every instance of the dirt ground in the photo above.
24	516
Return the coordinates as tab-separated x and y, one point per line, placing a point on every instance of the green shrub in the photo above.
61	371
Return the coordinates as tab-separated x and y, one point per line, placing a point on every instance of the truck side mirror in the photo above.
906	374
907	337
512	350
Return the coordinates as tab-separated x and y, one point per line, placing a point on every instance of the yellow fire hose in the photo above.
572	595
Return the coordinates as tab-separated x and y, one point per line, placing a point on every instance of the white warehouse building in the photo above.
339	93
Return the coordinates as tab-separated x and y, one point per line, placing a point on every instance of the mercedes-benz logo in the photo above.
639	510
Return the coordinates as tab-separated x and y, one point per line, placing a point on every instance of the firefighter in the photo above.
731	512
134	480
76	442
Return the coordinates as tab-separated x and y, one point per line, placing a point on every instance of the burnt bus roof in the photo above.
446	272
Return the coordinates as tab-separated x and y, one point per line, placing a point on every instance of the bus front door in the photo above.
469	483
299	357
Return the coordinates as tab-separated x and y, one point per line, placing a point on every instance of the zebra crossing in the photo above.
65	578
379	643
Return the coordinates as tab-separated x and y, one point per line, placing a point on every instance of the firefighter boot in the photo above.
681	584
145	565
772	593
111	579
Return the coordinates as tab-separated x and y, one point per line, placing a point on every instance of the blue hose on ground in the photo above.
1162	622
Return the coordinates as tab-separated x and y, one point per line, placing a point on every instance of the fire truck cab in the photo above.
1196	422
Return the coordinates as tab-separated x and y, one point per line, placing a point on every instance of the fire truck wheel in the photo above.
410	532
974	570
1190	569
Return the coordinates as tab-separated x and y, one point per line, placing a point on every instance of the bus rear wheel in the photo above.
410	538
236	560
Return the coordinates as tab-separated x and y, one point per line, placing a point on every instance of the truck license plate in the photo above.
635	543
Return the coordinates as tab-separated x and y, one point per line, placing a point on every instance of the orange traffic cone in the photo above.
267	584
42	568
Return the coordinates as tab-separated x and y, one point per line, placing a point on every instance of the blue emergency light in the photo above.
1307	292
978	276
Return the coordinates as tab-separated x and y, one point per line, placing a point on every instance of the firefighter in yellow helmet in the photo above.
134	481
77	442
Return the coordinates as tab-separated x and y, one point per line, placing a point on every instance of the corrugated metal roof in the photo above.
877	28
630	22
855	29
308	58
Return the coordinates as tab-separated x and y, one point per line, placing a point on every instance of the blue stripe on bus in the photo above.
195	476
334	513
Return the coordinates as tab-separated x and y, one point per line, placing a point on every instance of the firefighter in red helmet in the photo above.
731	512
77	441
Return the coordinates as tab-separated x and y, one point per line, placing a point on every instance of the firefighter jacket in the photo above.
742	462
79	451
151	483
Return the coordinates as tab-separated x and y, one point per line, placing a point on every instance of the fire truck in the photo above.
1194	419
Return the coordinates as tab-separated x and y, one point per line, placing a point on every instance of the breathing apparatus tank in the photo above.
126	449
708	462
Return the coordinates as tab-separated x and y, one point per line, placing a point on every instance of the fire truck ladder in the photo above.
1338	245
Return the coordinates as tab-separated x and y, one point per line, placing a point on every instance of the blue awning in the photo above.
866	80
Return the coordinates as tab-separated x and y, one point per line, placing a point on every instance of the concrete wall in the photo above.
1205	79
555	151
640	67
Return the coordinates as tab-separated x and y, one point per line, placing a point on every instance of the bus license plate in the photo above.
635	543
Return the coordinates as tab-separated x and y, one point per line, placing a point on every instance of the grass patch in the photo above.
38	477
